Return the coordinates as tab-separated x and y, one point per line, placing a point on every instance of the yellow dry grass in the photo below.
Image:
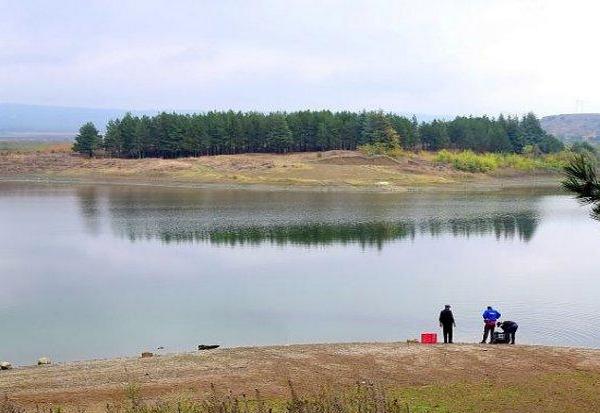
459	376
341	169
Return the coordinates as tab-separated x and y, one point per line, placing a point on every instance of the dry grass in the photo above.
466	377
26	146
341	169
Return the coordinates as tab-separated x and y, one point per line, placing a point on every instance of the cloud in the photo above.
428	57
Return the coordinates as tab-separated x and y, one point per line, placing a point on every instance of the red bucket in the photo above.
428	338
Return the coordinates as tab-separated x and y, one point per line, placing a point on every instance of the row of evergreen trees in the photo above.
214	133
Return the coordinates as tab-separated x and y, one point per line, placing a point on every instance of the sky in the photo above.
419	56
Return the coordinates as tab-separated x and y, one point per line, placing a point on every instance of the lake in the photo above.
101	271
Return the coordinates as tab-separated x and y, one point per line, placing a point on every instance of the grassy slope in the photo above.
342	169
553	392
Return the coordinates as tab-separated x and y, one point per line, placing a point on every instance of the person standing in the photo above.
447	323
510	328
490	317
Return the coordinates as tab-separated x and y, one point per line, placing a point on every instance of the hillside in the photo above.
574	126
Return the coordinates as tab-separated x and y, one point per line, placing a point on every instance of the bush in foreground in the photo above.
581	178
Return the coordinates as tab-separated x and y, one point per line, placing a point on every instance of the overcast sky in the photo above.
419	56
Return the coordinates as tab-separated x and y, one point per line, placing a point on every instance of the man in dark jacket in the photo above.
510	328
447	322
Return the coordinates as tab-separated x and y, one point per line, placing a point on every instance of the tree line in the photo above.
171	135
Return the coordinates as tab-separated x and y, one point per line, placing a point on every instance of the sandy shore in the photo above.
92	384
326	171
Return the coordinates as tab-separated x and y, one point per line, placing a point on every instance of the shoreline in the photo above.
406	367
333	171
549	184
166	354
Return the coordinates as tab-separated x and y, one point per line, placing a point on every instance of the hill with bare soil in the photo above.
574	126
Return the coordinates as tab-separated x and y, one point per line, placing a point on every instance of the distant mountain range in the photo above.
51	122
573	127
20	121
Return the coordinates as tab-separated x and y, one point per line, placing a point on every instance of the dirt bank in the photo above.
347	170
397	365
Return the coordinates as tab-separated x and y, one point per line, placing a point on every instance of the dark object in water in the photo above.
147	354
500	338
207	346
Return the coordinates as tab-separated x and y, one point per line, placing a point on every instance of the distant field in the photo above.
27	146
37	136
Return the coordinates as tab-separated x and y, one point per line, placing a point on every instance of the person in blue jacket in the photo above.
490	317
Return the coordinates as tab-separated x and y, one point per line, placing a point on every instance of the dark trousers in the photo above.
447	330
488	329
511	336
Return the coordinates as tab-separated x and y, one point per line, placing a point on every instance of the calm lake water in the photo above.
99	271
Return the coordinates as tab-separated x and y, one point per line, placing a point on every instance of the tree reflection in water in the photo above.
247	221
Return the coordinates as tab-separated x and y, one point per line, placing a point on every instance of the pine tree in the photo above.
533	134
145	136
531	129
131	146
416	140
378	129
113	144
498	139
213	133
582	179
279	135
322	136
435	135
404	127
87	140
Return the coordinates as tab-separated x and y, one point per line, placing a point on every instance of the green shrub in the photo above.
373	149
470	161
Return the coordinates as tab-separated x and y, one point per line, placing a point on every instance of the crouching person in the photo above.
510	328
